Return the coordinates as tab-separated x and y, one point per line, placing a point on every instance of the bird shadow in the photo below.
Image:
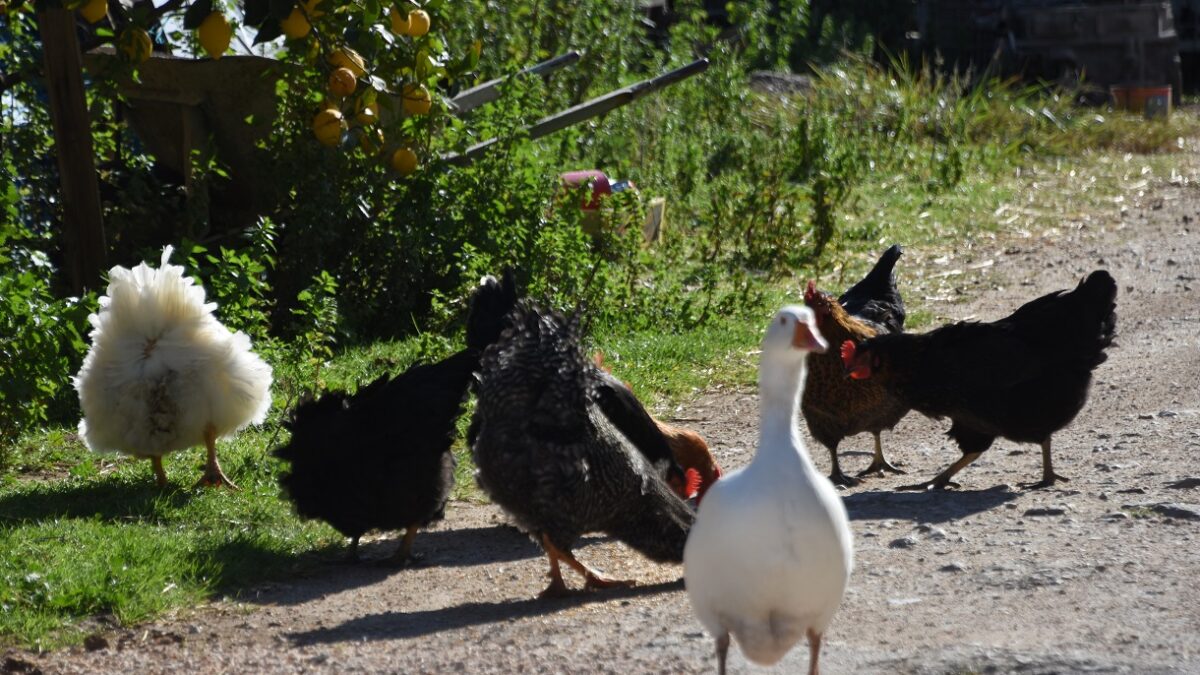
333	573
934	506
399	625
107	500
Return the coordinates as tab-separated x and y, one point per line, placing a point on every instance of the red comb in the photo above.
691	482
848	351
811	292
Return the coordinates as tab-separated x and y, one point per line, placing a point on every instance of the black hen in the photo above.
380	458
548	454
875	299
1023	377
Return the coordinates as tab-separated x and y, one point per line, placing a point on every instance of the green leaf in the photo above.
268	31
196	13
280	9
256	11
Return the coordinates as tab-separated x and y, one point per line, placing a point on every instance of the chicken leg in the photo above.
160	474
404	555
835	472
942	480
879	463
213	475
593	579
1048	476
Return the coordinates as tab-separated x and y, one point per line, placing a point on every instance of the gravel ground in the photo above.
1095	575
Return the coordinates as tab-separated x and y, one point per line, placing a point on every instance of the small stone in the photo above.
1185	484
1145	416
1045	511
95	642
1132	491
1116	515
952	567
903	542
1177	510
1168	413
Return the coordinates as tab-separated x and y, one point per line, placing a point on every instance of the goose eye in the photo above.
783	321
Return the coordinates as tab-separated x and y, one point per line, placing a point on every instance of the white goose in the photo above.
771	551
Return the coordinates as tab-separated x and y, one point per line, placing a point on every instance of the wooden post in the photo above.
83	231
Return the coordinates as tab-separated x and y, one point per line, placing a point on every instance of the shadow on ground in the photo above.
399	625
934	506
107	499
441	548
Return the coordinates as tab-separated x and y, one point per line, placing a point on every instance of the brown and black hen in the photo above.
549	455
1023	377
833	406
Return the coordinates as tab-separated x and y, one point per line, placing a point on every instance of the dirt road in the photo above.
1096	575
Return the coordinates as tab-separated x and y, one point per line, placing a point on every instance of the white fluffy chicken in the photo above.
163	374
769	557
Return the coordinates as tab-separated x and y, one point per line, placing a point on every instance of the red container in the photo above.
1150	101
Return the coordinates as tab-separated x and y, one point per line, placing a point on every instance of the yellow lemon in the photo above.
418	23
94	10
135	45
404	161
295	26
345	57
214	34
416	100
342	82
399	20
327	126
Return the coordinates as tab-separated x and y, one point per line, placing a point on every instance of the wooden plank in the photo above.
589	109
489	91
83	225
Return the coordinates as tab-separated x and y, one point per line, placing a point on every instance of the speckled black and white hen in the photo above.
550	457
380	458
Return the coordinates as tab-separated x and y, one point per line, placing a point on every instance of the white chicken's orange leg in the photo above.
814	653
160	474
213	475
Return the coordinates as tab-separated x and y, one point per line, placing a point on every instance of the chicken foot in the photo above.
879	463
213	475
593	579
835	474
160	474
404	555
942	480
1049	478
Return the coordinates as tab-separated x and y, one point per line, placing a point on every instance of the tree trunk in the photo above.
83	232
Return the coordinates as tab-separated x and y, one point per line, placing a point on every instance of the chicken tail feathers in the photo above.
490	305
875	298
1098	294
